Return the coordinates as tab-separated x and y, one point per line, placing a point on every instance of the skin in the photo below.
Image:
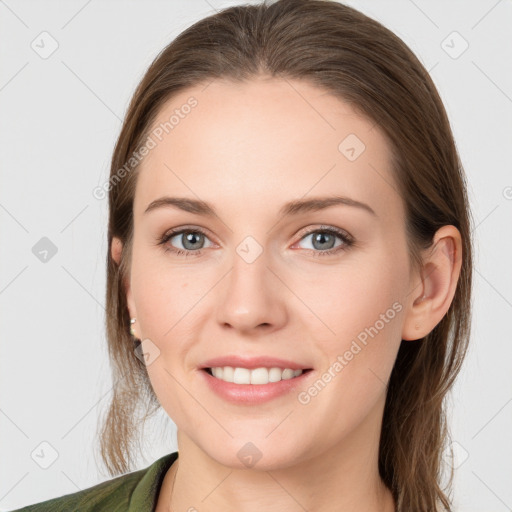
247	149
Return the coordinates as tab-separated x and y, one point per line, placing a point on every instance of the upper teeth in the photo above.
256	376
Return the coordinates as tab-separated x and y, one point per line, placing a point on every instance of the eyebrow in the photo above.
291	208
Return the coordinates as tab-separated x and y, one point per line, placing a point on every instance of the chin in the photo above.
259	454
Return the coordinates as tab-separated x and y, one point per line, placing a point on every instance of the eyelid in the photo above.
324	227
301	234
192	228
346	238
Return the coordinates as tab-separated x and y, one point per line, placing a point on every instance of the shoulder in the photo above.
137	491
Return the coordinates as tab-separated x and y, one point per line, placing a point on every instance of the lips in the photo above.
257	391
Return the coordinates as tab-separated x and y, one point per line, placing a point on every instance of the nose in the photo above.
252	298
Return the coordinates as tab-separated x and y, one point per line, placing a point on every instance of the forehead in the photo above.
264	142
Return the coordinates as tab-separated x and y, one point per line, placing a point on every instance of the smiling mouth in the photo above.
258	376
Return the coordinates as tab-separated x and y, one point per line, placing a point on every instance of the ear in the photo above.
433	290
117	253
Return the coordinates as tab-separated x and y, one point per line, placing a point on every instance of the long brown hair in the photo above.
339	49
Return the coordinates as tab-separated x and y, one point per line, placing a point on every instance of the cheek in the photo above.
344	300
363	311
165	299
166	296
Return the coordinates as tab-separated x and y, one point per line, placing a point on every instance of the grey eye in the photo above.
190	240
323	240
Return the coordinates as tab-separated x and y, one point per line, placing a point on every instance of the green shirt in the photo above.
132	492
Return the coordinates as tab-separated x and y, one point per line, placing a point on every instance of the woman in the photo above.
300	377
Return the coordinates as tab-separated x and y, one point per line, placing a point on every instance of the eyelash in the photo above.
347	240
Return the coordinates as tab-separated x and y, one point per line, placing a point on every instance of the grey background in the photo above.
60	116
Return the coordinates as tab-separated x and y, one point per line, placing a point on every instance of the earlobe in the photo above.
431	299
116	252
116	249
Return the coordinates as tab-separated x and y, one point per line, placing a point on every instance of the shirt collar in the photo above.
145	494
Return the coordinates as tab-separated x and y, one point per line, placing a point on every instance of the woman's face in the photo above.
266	279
